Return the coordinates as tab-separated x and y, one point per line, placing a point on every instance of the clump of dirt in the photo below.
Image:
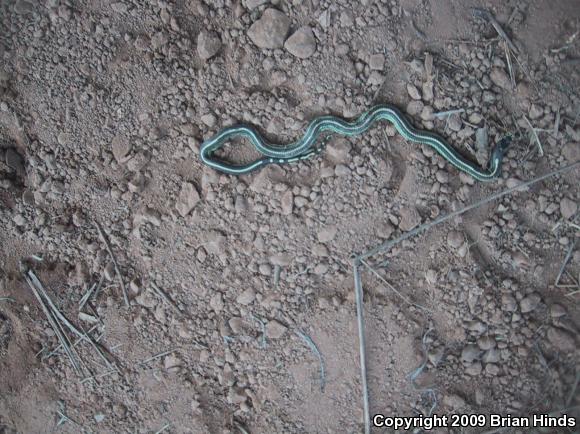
5	334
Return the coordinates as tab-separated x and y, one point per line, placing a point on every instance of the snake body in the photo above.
305	147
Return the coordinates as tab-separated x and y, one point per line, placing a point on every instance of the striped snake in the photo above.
304	148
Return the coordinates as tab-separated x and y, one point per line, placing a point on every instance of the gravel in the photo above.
103	109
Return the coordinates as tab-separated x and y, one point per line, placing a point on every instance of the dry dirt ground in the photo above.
239	287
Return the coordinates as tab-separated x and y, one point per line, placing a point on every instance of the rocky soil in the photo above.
206	303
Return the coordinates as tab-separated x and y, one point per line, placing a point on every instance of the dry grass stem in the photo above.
111	254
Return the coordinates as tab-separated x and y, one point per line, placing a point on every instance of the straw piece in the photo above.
62	337
396	291
263	329
361	340
446	114
86	297
389	244
535	136
566	260
165	297
75	343
487	16
157	356
416	372
117	270
308	340
163	428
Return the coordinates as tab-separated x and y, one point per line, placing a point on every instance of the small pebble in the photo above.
568	208
455	239
327	233
529	303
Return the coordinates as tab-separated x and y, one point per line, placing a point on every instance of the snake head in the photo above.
501	147
498	152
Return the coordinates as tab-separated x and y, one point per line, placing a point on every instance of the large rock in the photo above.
499	77
270	30
410	218
302	43
188	198
568	208
275	330
208	44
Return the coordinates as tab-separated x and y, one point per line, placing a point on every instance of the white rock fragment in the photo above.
172	364
338	150
188	198
281	259
216	302
237	395
500	78
119	7
253	4
413	91
302	43
275	330
215	242
120	148
209	119
270	30
246	297
324	19
529	303
470	353
148	215
208	44
568	208
158	40
287	202
109	271
327	233
409	219
377	62
23	7
375	78
454	239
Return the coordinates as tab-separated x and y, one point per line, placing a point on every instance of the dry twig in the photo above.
358	261
165	297
389	244
117	270
487	16
535	136
361	340
391	287
56	327
566	260
308	340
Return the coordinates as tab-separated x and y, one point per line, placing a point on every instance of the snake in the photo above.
306	148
